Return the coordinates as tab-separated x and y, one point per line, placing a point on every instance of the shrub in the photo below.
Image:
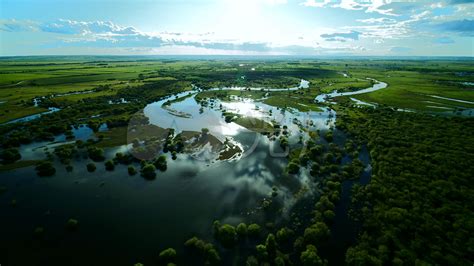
254	230
160	163
227	235
168	255
10	155
310	257
109	165
132	170
45	169
91	167
72	224
96	154
293	168
242	230
148	171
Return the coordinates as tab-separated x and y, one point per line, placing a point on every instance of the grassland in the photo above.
412	83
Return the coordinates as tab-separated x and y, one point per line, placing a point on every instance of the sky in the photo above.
237	27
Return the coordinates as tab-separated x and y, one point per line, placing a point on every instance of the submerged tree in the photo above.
148	171
160	163
45	168
91	167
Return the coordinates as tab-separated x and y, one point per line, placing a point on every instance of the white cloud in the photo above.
369	6
316	3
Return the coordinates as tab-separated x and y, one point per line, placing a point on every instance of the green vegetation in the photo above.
160	163
9	156
18	164
418	208
148	171
45	168
131	170
253	124
91	167
109	165
72	224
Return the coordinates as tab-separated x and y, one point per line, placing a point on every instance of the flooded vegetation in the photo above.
273	162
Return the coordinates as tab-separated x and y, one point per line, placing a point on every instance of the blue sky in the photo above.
237	27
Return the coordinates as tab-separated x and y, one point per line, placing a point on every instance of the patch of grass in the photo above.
253	124
114	137
18	164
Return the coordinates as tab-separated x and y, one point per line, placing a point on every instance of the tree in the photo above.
91	167
45	168
357	256
262	252
293	167
132	170
284	235
148	171
96	154
160	163
168	255
72	224
227	235
310	257
242	230
316	233
329	215
109	165
271	245
253	230
10	155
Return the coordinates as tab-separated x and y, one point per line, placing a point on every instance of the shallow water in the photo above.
33	117
377	86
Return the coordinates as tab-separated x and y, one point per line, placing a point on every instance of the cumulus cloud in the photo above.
316	3
369	6
107	35
390	28
341	36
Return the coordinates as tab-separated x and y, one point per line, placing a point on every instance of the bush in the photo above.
45	169
72	224
242	230
148	171
227	235
109	165
310	257
96	154
316	233
293	168
160	163
91	167
254	230
132	170
168	255
283	235
10	155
